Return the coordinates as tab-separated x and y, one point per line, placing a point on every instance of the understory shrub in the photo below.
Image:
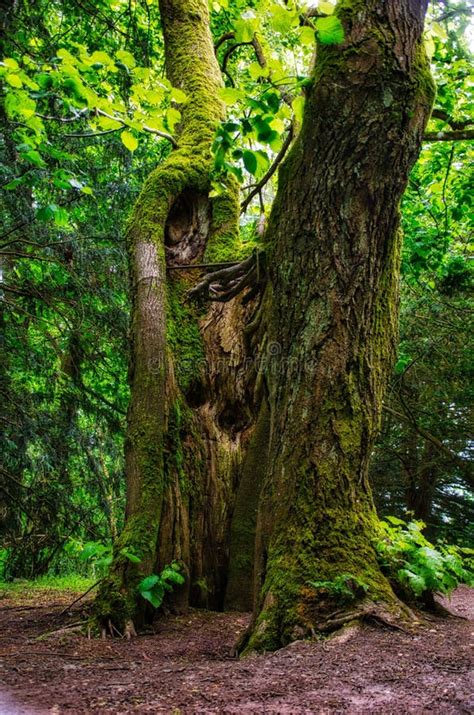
416	568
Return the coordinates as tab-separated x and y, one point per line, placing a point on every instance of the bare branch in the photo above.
456	135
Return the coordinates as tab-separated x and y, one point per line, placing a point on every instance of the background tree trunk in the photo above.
332	311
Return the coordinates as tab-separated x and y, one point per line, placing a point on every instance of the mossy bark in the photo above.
174	221
333	261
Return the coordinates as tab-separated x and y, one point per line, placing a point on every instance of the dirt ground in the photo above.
186	667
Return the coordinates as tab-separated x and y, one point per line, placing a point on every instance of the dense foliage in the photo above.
86	113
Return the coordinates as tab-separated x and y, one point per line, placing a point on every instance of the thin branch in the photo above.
163	135
81	135
188	266
428	436
455	135
224	38
453	123
265	179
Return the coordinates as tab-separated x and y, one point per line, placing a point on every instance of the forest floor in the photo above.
186	666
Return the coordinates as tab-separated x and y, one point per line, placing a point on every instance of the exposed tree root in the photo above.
111	631
372	612
224	284
260	635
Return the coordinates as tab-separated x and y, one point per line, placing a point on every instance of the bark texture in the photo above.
331	313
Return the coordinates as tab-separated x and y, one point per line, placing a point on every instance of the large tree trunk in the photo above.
183	439
332	312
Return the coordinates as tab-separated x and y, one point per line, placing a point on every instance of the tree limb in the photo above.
455	135
428	436
265	179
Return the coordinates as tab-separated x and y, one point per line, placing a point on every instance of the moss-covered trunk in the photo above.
179	455
332	311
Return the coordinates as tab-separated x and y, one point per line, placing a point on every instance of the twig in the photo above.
76	624
188	266
265	179
79	597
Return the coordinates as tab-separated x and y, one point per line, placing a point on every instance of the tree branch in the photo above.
265	179
456	135
453	123
428	436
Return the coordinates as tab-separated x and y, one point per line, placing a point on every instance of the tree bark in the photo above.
331	311
179	454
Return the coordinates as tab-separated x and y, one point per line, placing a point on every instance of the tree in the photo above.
329	309
175	221
334	246
262	407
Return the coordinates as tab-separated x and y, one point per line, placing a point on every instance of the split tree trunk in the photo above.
183	439
332	313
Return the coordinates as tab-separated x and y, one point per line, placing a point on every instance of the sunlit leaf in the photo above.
129	140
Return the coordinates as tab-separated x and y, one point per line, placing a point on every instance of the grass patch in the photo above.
72	582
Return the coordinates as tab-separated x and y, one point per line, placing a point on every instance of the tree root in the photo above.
396	616
111	630
224	284
368	611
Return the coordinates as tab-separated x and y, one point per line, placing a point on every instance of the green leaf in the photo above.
256	70
148	582
230	96
330	30
178	96
153	597
127	58
172	117
130	556
10	63
250	162
14	80
283	19
298	105
307	36
326	7
245	27
129	140
172	576
416	582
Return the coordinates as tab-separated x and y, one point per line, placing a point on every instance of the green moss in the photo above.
224	243
184	336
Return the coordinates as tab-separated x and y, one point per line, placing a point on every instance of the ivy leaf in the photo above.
129	140
330	30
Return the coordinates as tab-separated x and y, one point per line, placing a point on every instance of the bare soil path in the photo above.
186	667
